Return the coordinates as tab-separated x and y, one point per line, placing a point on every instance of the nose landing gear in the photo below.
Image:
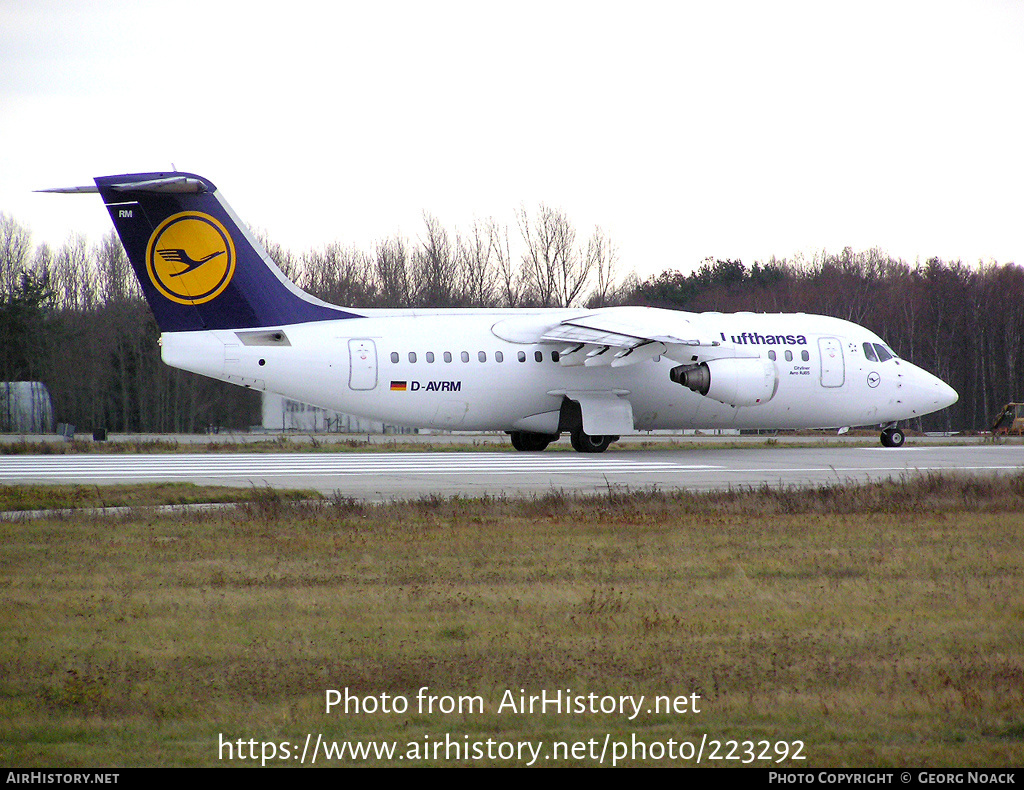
893	437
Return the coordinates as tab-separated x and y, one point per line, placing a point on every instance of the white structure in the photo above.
284	414
25	407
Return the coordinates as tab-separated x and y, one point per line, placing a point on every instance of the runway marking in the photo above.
479	468
946	451
265	465
827	468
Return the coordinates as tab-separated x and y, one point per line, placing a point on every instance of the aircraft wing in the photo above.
618	336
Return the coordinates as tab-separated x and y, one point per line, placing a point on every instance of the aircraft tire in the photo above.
893	437
528	442
585	443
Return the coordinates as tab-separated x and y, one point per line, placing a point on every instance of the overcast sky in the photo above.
683	129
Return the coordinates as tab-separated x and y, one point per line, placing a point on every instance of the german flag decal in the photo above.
399	386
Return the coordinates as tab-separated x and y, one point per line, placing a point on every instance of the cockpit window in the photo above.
869	352
883	352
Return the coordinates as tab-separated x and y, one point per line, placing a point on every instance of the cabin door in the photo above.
833	368
362	364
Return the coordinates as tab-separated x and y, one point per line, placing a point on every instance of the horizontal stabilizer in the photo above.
169	184
92	189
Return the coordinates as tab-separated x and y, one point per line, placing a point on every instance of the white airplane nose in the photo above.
924	393
947	395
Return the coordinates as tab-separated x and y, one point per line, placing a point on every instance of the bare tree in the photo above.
340	275
602	259
436	264
392	273
118	282
42	261
479	256
555	271
509	278
15	245
73	285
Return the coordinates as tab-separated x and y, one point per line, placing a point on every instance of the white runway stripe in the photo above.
270	465
380	475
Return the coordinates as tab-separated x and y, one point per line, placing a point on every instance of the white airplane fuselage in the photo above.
225	310
448	369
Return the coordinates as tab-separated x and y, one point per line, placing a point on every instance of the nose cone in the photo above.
923	393
947	395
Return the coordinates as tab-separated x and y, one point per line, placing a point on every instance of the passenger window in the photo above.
465	356
447	356
430	357
538	355
869	353
482	356
805	356
771	355
521	356
412	356
394	357
883	353
554	356
789	356
499	357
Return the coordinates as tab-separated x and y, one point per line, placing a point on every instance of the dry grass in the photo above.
882	624
282	443
48	497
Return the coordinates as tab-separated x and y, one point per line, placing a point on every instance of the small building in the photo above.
284	414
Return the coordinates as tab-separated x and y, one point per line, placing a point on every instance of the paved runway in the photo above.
372	475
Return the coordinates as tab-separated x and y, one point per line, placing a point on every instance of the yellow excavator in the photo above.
1010	420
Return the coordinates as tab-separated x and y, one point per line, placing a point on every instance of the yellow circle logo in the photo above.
190	258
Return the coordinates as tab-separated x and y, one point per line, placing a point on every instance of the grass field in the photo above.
879	625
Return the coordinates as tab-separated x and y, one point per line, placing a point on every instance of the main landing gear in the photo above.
528	442
570	420
585	443
893	436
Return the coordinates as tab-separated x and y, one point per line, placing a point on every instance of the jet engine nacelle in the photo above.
734	381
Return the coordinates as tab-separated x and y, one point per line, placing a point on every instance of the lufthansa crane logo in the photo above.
190	258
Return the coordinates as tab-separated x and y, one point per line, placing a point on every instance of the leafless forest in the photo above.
75	319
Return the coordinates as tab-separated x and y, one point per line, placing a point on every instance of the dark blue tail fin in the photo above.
199	267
